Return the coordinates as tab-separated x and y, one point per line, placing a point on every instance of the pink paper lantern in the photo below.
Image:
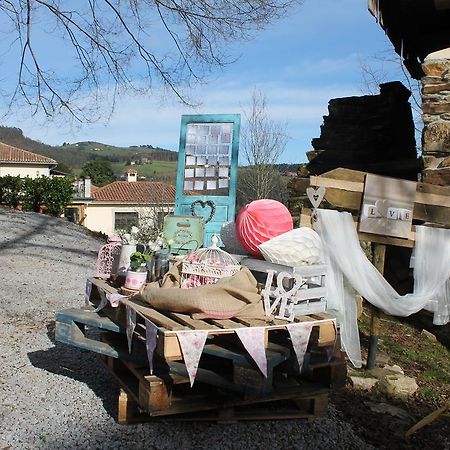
260	221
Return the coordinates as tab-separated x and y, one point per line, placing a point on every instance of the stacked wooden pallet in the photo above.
228	384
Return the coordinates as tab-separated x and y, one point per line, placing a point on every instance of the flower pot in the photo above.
135	280
124	260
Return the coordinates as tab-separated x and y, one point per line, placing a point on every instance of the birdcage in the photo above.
207	266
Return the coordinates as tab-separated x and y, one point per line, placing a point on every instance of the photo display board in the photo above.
207	169
208	153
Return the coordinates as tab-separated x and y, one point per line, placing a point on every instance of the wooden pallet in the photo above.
168	323
145	397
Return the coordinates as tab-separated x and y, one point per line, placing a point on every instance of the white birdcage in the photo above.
207	266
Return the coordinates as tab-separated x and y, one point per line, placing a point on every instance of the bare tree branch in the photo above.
263	141
115	45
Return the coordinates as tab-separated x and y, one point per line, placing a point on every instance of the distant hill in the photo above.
77	154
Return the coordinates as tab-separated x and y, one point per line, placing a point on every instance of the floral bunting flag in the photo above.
300	333
151	335
192	343
131	325
253	339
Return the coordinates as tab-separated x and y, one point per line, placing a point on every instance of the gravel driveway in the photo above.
54	396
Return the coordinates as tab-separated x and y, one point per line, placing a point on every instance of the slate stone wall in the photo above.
436	118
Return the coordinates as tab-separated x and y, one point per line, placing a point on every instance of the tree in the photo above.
263	140
101	43
99	171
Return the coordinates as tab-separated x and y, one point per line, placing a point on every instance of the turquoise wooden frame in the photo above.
183	201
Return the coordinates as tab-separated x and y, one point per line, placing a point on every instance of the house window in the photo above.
125	220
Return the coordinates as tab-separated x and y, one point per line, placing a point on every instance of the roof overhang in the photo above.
416	28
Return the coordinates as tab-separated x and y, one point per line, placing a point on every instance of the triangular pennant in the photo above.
131	325
253	339
192	343
115	298
300	333
103	301
151	334
87	292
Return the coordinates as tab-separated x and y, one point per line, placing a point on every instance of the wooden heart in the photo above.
204	204
382	207
315	195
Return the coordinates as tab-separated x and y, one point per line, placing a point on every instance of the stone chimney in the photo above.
436	118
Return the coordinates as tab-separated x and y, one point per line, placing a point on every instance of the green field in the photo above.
151	170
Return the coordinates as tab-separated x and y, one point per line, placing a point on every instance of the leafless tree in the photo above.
263	141
67	54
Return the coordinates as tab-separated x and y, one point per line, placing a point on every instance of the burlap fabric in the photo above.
235	296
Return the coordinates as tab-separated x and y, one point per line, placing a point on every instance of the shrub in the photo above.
10	191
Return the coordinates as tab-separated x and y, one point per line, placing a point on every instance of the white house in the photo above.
17	162
121	204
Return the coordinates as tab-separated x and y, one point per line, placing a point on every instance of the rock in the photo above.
436	137
435	108
428	335
397	385
433	89
386	408
363	383
381	372
440	177
436	67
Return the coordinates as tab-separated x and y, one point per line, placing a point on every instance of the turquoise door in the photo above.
207	169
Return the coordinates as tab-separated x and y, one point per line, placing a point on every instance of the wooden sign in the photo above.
291	290
387	206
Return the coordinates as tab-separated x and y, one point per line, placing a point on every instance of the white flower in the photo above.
153	246
134	230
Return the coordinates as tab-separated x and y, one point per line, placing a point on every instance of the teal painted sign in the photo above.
207	169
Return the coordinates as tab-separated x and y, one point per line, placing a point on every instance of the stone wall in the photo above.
436	118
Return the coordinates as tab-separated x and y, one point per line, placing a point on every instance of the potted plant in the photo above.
137	273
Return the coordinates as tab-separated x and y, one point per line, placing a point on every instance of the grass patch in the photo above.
426	360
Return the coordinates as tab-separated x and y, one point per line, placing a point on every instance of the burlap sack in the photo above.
235	296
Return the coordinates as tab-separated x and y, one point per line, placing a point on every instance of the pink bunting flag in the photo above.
253	339
151	335
192	343
300	333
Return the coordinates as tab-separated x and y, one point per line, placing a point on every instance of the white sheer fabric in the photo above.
347	263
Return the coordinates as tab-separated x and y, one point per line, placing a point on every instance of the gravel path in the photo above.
54	396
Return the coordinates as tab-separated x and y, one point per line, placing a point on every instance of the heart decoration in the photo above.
204	204
382	207
315	196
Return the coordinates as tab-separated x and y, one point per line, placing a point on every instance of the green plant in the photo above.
10	191
138	261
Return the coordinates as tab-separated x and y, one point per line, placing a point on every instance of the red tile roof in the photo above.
136	192
11	154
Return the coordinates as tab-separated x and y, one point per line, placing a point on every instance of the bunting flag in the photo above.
103	301
114	298
253	339
300	333
87	292
192	343
151	335
131	325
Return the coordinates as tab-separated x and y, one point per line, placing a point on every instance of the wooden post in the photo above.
379	253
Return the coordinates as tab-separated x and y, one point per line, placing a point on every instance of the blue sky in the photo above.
299	63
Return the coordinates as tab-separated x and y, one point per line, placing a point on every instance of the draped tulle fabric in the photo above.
350	269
